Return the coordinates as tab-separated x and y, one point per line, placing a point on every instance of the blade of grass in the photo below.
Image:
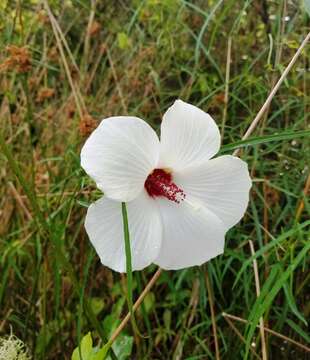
288	135
299	331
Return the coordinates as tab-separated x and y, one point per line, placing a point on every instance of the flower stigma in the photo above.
159	183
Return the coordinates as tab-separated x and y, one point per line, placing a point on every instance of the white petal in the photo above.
192	235
222	184
104	226
189	136
119	155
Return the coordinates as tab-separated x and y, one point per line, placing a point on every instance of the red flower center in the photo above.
159	183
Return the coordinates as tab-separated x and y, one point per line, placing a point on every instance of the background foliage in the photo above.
136	57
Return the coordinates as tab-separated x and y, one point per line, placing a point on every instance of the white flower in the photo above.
179	202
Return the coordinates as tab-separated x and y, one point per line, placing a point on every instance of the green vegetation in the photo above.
63	68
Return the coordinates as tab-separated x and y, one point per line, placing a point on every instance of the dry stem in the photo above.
211	304
257	285
270	331
135	306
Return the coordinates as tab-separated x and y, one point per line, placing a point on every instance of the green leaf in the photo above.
149	301
299	331
167	319
97	305
123	347
100	354
123	41
83	203
75	354
87	352
86	348
110	323
292	304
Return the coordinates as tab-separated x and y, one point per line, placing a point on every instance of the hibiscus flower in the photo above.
180	202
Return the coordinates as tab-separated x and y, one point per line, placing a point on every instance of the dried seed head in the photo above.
94	28
44	93
19	59
43	17
87	125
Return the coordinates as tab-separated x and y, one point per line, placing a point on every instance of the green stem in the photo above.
128	257
129	268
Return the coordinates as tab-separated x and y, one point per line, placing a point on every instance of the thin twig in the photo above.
62	36
118	87
186	323
73	62
19	199
227	76
257	285
259	115
193	303
65	63
93	70
135	306
270	331
87	36
211	304
3	322
231	324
